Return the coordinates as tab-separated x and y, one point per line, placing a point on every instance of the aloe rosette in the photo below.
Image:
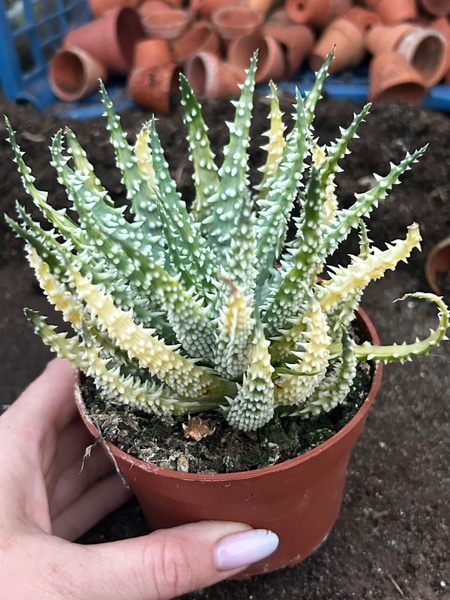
178	312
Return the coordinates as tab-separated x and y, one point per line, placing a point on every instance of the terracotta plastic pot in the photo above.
110	39
437	266
212	77
232	22
298	499
393	11
316	13
74	74
296	41
201	37
152	86
391	77
349	51
152	53
271	61
101	7
437	8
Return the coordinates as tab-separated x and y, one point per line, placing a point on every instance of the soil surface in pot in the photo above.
205	443
391	539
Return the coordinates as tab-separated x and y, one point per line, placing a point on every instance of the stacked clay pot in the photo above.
405	42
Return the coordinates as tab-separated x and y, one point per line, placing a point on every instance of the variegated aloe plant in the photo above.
177	312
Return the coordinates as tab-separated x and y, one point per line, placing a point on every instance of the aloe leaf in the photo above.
233	172
206	176
292	390
403	352
253	405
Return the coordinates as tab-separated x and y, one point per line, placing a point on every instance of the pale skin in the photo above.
47	501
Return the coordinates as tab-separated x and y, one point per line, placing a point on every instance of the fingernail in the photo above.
244	548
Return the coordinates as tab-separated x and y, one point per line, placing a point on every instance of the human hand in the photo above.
47	500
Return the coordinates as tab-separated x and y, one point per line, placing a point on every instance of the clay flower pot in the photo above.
151	53
201	37
437	267
232	22
349	51
316	13
148	8
362	18
299	499
391	77
443	25
205	8
263	6
437	8
212	77
296	41
385	38
426	49
74	74
152	86
271	61
167	24
101	7
110	39
391	11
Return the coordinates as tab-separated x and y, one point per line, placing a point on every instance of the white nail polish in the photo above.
244	548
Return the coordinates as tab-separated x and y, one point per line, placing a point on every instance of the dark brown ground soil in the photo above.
391	539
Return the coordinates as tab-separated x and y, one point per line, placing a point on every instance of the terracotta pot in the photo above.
232	22
391	77
150	7
362	18
263	6
201	37
271	61
316	13
167	24
177	3
385	38
426	49
278	17
152	86
437	8
101	7
110	39
393	11
205	8
437	266
74	74
296	41
443	25
151	53
350	48
212	77
298	499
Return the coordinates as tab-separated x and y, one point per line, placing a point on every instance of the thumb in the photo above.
171	562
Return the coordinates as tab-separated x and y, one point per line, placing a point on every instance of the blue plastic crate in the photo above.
30	32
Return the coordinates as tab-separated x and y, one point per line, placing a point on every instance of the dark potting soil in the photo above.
222	449
443	282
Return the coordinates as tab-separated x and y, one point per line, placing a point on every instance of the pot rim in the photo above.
242	475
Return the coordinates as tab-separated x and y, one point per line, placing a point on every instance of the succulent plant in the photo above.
178	312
